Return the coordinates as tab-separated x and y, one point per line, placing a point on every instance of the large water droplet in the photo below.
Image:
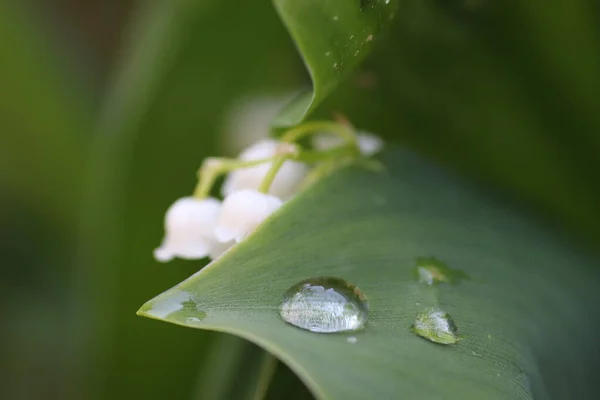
436	325
325	305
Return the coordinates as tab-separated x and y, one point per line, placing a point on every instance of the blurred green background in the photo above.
108	107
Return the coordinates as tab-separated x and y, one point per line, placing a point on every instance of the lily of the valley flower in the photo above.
189	230
286	183
368	143
242	211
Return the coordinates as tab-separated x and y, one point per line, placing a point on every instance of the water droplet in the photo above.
369	38
387	1
325	305
335	18
175	302
327	54
431	271
351	37
194	320
352	339
435	325
356	53
336	66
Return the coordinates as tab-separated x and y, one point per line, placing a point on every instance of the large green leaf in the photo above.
504	93
526	313
334	37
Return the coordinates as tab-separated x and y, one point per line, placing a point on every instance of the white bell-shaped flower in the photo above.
189	230
242	211
287	182
368	143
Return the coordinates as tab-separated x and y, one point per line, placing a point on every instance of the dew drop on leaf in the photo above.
431	271
325	305
436	325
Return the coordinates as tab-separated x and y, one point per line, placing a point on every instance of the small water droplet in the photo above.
193	320
431	271
351	37
335	18
369	38
473	353
327	54
175	302
435	325
337	66
352	339
356	53
325	305
489	336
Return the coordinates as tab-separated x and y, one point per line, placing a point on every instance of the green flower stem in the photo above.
212	168
272	172
309	156
309	128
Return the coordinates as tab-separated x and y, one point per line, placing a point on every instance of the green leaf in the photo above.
333	37
526	314
501	94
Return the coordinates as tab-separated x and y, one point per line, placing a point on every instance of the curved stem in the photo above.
324	155
212	168
341	130
272	172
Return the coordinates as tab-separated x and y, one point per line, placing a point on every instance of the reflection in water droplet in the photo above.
195	320
436	325
431	271
352	339
180	302
325	305
164	307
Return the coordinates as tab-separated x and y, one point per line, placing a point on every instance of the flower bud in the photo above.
242	212
189	229
286	183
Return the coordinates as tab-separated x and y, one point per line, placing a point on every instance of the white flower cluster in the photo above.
199	227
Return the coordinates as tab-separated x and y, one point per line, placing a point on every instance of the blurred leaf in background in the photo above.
185	63
504	92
